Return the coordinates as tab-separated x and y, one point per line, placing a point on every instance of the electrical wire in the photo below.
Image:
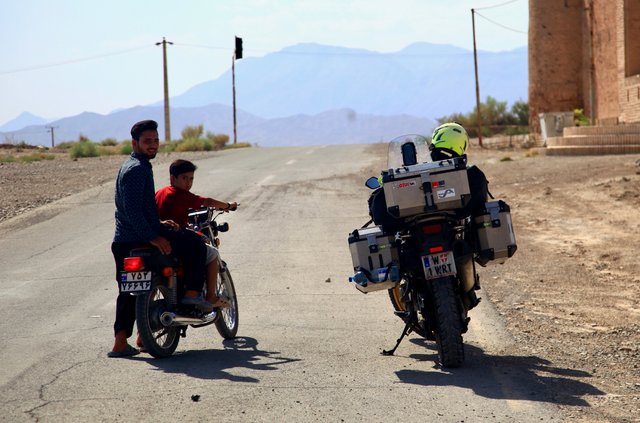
497	5
500	25
67	62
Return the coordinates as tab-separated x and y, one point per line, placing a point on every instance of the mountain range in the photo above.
310	94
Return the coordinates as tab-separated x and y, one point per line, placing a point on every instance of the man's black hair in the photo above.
180	166
144	125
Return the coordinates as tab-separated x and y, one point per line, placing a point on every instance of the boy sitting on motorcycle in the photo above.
174	202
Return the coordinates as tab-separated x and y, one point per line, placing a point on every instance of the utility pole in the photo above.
237	54
475	63
167	118
51	129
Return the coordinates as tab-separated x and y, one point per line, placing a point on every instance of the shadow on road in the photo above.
241	352
527	378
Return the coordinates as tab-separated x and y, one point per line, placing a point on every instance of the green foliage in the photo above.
84	148
495	118
192	132
506	159
65	145
199	144
109	142
126	148
36	157
28	158
218	140
580	119
237	145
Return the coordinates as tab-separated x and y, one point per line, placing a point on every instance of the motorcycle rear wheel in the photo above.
448	323
160	341
227	321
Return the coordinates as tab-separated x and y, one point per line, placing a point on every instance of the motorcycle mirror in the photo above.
372	183
409	154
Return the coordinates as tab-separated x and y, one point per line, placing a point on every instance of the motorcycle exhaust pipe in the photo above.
169	318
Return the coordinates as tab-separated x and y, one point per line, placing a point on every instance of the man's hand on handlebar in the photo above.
231	207
171	224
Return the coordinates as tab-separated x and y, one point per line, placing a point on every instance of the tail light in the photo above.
438	249
431	229
133	264
167	271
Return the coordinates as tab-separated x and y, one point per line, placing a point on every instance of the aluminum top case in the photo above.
427	187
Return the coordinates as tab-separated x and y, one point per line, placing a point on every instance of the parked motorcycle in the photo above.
425	245
156	281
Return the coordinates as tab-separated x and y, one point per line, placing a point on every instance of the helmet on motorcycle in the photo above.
450	139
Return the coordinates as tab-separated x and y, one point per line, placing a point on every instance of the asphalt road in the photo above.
309	343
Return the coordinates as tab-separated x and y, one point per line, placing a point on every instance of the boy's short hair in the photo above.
144	125
180	166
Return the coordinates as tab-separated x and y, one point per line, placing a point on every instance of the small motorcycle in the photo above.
156	281
424	247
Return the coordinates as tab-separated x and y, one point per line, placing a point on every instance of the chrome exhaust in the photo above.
169	318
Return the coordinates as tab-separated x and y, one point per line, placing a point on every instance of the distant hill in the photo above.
425	80
332	127
311	93
24	119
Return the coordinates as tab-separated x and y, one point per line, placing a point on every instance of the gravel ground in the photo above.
570	296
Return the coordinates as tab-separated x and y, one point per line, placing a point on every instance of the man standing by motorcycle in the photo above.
138	224
174	202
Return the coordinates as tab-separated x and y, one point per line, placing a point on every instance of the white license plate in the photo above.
135	281
439	265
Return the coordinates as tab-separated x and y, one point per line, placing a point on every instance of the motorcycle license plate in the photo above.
135	281
439	265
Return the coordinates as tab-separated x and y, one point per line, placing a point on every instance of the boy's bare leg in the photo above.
212	279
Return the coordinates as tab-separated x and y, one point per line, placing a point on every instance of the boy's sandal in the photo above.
127	352
221	303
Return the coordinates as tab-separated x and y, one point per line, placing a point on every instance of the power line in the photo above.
67	62
497	5
500	25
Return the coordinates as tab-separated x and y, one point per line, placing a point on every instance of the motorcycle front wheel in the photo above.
227	321
159	341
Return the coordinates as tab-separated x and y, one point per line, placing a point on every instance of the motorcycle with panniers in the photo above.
426	241
155	279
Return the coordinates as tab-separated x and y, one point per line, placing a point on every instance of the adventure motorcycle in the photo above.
155	279
424	246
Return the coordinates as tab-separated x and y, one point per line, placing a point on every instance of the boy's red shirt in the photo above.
174	204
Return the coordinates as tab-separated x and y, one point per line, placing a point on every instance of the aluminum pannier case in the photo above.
496	239
427	187
375	259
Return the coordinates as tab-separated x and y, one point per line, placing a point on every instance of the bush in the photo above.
192	132
194	144
84	148
126	148
218	140
109	142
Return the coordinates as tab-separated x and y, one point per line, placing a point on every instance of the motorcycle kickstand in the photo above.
405	332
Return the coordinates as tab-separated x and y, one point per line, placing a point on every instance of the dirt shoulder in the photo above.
570	296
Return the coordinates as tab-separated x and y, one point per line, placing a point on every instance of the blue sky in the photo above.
62	57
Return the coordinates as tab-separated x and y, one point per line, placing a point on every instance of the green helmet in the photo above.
450	136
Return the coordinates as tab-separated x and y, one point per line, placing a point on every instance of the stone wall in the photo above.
585	54
555	57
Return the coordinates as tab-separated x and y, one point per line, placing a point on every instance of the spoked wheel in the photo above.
160	341
227	322
449	325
